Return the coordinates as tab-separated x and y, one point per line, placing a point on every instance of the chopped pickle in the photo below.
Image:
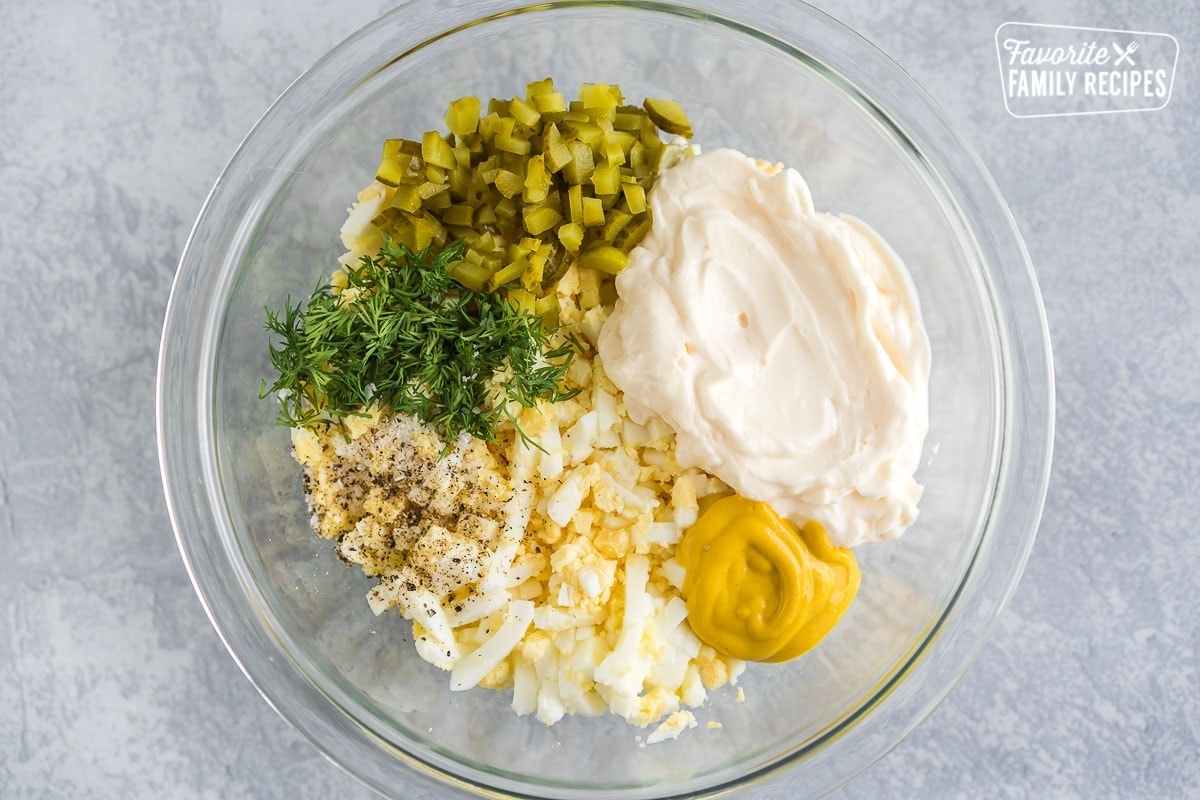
589	289
555	152
629	118
533	186
632	234
575	204
523	113
604	258
429	189
668	115
531	278
485	216
470	275
494	125
510	272
535	88
522	299
586	132
539	219
545	304
550	103
616	221
438	202
511	143
506	209
571	236
401	163
537	182
462	117
607	179
407	198
458	215
599	95
435	174
436	151
593	212
635	197
509	184
581	166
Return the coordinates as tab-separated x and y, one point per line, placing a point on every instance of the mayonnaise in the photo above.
784	346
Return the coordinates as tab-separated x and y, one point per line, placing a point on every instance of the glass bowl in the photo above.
778	80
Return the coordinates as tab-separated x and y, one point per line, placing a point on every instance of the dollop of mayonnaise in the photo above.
783	345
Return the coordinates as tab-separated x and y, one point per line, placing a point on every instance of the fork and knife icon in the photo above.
1124	55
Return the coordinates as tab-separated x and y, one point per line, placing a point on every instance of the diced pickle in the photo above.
635	196
615	222
604	258
484	216
581	165
458	215
510	272
506	208
436	151
600	95
575	204
593	212
633	233
629	118
554	150
523	113
606	178
429	189
509	184
589	289
539	219
614	146
571	236
522	299
438	202
531	278
668	115
534	186
534	88
398	164
462	117
537	182
512	144
550	103
556	266
608	292
407	198
585	132
544	305
470	275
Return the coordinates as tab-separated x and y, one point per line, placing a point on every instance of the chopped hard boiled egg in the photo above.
545	567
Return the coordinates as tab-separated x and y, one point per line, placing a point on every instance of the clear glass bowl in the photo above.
776	79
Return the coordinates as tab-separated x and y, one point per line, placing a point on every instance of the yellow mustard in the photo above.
756	587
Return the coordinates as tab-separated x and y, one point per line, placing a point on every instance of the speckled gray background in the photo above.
115	118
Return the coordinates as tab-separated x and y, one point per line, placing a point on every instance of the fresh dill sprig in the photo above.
405	335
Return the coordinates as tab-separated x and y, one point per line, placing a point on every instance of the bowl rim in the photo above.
1022	337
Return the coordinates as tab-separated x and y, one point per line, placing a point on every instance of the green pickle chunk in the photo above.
668	115
532	185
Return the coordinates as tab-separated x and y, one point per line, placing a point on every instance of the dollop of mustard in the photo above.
757	588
